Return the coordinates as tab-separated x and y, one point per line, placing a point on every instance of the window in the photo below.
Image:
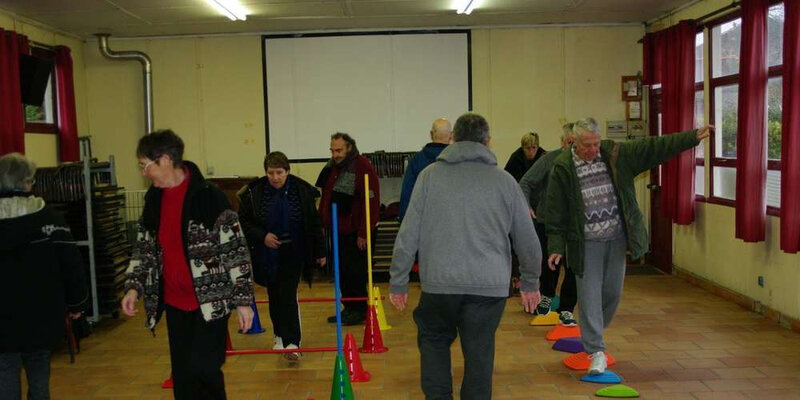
725	36
699	116
42	118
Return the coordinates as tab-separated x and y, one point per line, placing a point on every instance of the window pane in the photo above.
698	57
726	41
725	182
44	112
774	114
775	35
699	119
700	180
774	188
726	106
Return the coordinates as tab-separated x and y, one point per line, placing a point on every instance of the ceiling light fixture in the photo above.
465	6
229	8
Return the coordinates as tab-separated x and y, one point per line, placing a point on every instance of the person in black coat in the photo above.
284	233
43	281
524	157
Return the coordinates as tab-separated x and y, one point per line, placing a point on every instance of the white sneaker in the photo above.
292	356
277	343
599	364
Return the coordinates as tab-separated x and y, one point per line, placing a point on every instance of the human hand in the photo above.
129	302
705	132
554	261
322	261
398	300
361	243
75	315
532	213
271	241
245	314
530	300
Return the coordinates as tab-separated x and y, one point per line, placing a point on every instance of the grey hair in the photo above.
585	125
567	129
471	127
15	172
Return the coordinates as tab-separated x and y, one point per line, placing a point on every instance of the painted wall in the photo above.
41	148
709	249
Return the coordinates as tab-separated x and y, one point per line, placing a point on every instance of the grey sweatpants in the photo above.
600	289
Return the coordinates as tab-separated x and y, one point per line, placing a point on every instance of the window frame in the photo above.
45	127
728	80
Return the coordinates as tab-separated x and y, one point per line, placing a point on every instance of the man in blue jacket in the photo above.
441	134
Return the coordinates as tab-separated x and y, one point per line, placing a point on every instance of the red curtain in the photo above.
12	114
790	130
67	120
751	155
675	44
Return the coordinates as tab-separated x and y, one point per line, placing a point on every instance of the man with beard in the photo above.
342	182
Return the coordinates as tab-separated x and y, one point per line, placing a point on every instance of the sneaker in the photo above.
544	306
567	319
598	365
277	343
353	318
294	356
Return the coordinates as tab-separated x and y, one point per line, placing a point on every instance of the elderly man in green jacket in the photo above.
593	218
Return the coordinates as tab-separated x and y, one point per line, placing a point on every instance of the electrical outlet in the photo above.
760	281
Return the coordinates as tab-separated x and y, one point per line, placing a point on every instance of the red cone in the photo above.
354	367
167	383
373	342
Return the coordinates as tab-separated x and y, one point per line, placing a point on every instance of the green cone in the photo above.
341	389
618	391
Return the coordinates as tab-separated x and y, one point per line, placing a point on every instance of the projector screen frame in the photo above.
264	38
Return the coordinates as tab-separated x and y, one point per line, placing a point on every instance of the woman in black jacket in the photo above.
43	279
284	232
523	158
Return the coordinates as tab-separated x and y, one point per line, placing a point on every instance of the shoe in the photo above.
295	356
544	306
277	343
598	364
332	319
567	319
353	318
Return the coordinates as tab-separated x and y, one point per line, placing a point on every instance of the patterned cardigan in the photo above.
215	249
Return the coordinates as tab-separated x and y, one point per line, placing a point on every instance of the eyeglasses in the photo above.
144	167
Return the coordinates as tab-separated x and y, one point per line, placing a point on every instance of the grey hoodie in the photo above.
464	214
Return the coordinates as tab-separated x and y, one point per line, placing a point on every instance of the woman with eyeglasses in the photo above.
43	280
191	261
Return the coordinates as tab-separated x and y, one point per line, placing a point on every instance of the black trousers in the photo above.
353	270
197	352
282	293
548	281
37	371
442	317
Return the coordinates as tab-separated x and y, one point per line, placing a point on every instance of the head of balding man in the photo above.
441	131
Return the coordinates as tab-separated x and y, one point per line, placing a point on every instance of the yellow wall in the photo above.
708	247
43	149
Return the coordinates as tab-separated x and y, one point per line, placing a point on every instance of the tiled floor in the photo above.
671	341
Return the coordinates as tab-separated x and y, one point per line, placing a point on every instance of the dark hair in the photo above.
276	159
159	143
344	136
471	127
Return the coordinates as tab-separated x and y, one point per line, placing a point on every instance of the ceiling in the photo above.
133	18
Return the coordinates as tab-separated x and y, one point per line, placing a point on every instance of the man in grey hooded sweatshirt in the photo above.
463	217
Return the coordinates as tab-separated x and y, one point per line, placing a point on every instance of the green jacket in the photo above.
565	211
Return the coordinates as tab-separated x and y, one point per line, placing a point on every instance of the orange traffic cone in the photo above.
167	383
373	342
354	367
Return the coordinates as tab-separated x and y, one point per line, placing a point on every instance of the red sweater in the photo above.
178	285
355	220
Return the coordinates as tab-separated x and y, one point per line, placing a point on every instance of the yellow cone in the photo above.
544	320
376	296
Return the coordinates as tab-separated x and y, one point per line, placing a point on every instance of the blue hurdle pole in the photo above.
338	292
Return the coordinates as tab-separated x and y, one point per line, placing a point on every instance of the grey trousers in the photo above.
600	289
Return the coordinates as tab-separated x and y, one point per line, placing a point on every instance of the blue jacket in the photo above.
421	160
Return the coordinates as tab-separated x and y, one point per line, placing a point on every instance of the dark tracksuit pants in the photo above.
353	270
548	281
37	372
282	293
197	352
442	317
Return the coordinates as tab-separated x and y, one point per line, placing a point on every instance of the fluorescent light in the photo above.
465	6
229	8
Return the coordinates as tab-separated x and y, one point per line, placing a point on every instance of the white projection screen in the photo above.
385	89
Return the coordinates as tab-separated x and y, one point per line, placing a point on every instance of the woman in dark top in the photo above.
284	231
524	157
43	280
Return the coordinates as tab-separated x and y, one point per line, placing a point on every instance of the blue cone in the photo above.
605	377
256	327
